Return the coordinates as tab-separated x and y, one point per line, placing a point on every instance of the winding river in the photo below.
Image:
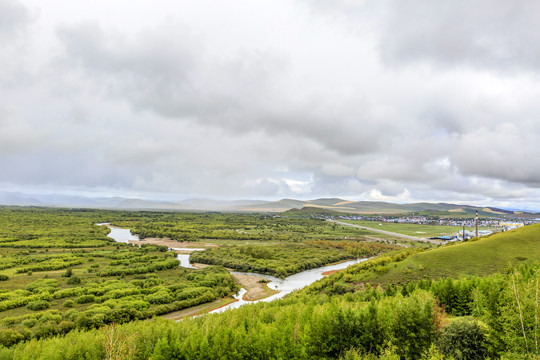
284	286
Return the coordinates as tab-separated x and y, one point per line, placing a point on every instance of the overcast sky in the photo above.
366	100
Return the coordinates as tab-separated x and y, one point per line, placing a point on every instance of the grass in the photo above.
199	309
482	257
423	231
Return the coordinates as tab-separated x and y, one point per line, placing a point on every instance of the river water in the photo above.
284	286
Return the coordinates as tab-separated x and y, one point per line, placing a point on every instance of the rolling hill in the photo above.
485	256
335	204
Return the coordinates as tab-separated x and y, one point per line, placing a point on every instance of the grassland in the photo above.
419	230
481	257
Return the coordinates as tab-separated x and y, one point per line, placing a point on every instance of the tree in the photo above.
463	339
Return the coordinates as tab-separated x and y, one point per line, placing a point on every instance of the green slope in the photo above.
482	257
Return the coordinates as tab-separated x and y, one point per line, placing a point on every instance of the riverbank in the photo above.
256	287
185	245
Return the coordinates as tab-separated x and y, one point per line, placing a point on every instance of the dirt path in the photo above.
407	237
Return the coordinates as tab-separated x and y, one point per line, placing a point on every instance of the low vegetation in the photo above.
469	318
284	260
74	284
84	296
418	230
480	257
232	227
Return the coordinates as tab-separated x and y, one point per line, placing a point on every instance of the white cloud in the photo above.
378	100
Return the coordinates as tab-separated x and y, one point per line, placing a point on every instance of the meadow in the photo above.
480	257
419	230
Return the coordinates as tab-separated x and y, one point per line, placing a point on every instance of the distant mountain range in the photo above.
335	204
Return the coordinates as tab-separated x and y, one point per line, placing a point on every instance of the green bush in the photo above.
68	303
38	305
9	337
4	277
463	339
85	299
29	323
74	280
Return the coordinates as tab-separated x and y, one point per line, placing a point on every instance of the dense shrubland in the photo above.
61	272
469	318
218	226
286	259
52	290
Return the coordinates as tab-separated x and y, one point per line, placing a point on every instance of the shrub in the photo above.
9	337
29	322
38	305
68	273
84	299
65	326
68	303
74	280
4	277
463	339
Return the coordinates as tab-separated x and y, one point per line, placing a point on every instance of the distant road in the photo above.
407	237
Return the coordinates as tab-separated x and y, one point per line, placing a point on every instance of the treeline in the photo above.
285	259
499	320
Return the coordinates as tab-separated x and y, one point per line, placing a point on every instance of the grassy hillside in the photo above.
419	230
482	257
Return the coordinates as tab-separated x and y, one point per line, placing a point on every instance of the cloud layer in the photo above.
377	100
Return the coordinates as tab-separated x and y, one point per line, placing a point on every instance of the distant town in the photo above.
490	224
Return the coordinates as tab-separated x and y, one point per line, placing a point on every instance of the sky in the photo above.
266	99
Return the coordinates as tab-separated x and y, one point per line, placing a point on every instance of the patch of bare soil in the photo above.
256	290
330	272
199	266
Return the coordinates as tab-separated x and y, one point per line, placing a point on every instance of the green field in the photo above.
423	231
485	256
